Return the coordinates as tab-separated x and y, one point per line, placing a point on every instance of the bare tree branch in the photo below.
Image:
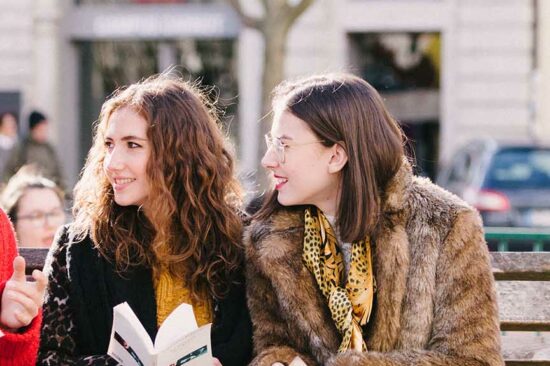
287	14
283	7
299	8
249	21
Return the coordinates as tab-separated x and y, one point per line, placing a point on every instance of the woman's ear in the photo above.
338	159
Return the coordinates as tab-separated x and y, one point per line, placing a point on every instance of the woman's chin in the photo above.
287	201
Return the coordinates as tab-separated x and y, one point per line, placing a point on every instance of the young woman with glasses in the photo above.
157	224
35	205
352	260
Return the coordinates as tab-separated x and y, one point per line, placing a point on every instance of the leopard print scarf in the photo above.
350	306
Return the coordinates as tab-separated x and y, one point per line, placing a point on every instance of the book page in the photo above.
130	343
179	323
192	350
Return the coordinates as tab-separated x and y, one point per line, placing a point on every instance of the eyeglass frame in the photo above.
281	146
40	218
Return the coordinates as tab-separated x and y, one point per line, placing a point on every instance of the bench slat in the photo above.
525	346
521	266
525	326
524	305
34	258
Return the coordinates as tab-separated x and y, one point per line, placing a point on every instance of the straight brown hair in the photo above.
346	110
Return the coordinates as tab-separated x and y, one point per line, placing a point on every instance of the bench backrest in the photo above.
523	284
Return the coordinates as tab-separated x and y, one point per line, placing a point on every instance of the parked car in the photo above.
509	185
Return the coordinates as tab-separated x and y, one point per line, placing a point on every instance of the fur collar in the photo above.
398	190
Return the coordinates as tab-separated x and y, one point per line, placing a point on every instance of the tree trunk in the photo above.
275	35
274	26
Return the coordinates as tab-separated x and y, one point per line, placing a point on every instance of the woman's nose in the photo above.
269	160
114	160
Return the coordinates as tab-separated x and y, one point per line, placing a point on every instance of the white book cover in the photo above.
179	341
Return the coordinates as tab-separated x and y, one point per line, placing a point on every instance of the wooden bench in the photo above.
523	284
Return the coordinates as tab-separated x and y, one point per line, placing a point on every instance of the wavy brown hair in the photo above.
192	224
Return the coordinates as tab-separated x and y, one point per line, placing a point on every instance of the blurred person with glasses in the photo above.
35	205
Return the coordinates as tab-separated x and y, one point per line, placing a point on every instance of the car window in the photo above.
461	168
519	168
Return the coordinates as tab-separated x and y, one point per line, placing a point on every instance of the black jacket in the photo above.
83	290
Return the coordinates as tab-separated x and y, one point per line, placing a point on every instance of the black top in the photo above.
84	288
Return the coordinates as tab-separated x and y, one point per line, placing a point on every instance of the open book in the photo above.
179	342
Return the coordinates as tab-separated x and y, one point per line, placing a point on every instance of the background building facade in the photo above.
489	70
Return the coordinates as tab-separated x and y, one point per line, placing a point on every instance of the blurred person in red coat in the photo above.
21	302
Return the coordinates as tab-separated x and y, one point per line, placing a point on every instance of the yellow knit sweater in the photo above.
171	292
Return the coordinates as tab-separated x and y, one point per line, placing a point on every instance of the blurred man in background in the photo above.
35	150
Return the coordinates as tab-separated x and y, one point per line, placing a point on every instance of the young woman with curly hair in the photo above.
157	224
353	260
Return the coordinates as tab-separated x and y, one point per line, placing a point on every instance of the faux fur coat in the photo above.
435	302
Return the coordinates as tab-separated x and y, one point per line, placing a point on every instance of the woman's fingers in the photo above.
40	285
24	304
24	318
297	361
17	310
25	289
18	269
33	290
21	299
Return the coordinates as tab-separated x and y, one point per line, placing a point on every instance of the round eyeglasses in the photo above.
279	146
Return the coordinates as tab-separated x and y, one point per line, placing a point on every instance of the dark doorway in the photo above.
107	65
405	67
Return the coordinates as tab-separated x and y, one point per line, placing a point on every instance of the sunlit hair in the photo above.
27	177
193	228
344	109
